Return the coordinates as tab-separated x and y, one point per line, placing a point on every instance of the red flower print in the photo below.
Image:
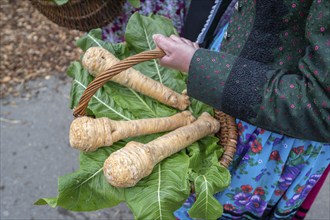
279	192
259	191
246	188
298	150
228	207
240	128
300	189
262	131
256	146
285	197
275	155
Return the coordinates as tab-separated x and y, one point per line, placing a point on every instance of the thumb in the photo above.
163	42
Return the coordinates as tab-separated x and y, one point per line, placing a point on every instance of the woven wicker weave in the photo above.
82	15
228	129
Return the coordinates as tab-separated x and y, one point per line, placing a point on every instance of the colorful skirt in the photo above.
272	174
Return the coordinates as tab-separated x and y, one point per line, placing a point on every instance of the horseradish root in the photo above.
125	167
88	134
97	60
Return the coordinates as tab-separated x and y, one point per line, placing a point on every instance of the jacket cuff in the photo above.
228	83
207	77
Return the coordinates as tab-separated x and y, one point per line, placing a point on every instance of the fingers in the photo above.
164	43
167	42
196	46
179	51
176	39
186	41
166	61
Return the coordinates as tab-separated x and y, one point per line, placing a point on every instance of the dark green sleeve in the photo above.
293	103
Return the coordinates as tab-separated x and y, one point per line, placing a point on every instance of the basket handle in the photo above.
104	77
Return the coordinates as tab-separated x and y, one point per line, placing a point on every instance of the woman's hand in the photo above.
179	51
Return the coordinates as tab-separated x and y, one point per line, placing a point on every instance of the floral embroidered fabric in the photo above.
271	175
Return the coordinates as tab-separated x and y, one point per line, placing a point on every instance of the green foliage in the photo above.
168	186
208	178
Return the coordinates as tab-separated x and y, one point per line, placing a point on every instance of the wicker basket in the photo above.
227	133
82	15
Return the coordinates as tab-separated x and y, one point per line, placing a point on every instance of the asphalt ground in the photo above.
35	151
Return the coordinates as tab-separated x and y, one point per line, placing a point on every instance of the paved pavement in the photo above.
35	151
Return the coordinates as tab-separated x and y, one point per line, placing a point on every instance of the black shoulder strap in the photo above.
198	13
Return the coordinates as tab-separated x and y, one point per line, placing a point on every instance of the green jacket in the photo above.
273	68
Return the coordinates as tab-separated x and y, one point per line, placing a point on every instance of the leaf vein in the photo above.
98	99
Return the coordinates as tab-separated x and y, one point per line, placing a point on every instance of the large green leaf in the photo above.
162	192
139	38
206	206
209	177
94	39
166	188
101	104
